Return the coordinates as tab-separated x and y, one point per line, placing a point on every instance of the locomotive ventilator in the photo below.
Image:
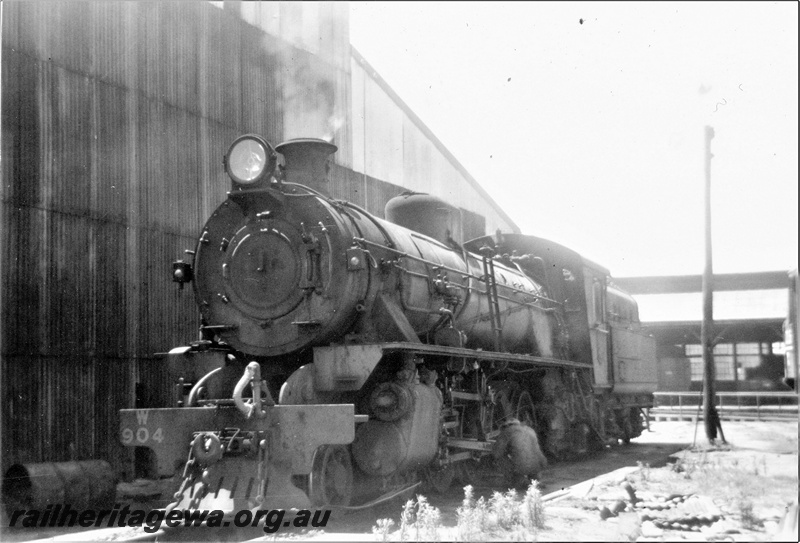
343	357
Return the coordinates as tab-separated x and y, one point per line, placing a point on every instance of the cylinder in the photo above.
411	442
88	484
390	401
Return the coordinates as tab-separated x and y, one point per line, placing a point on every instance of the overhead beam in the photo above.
671	284
727	331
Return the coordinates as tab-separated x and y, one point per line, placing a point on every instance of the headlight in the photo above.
250	159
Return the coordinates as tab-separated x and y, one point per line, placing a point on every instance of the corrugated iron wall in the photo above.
389	142
115	116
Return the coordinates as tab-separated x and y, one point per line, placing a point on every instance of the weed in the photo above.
762	465
745	506
533	506
406	520
470	516
502	516
505	516
419	521
382	527
503	508
644	471
428	521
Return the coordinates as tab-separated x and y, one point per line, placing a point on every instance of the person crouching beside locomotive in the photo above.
518	455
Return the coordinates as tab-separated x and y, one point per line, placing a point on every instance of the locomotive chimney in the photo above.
306	162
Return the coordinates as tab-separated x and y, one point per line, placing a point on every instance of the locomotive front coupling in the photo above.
234	455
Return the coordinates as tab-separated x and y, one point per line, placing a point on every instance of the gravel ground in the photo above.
739	491
745	484
559	476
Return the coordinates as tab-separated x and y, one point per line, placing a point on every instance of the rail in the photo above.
762	404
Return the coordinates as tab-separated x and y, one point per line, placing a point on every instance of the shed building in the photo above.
115	117
753	326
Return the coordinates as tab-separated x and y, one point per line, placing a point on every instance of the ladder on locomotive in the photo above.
490	279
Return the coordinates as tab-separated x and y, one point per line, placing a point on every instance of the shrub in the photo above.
503	516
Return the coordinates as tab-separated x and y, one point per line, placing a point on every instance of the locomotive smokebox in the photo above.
425	214
306	162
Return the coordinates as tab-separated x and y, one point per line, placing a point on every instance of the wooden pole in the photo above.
710	415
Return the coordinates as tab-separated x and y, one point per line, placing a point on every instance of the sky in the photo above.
585	121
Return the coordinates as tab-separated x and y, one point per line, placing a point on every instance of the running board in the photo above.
470	444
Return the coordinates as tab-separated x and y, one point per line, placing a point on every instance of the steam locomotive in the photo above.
344	358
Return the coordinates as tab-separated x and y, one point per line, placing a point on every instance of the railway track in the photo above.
343	524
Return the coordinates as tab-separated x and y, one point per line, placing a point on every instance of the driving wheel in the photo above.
331	481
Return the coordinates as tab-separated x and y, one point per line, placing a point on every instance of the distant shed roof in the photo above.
737	296
688	306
